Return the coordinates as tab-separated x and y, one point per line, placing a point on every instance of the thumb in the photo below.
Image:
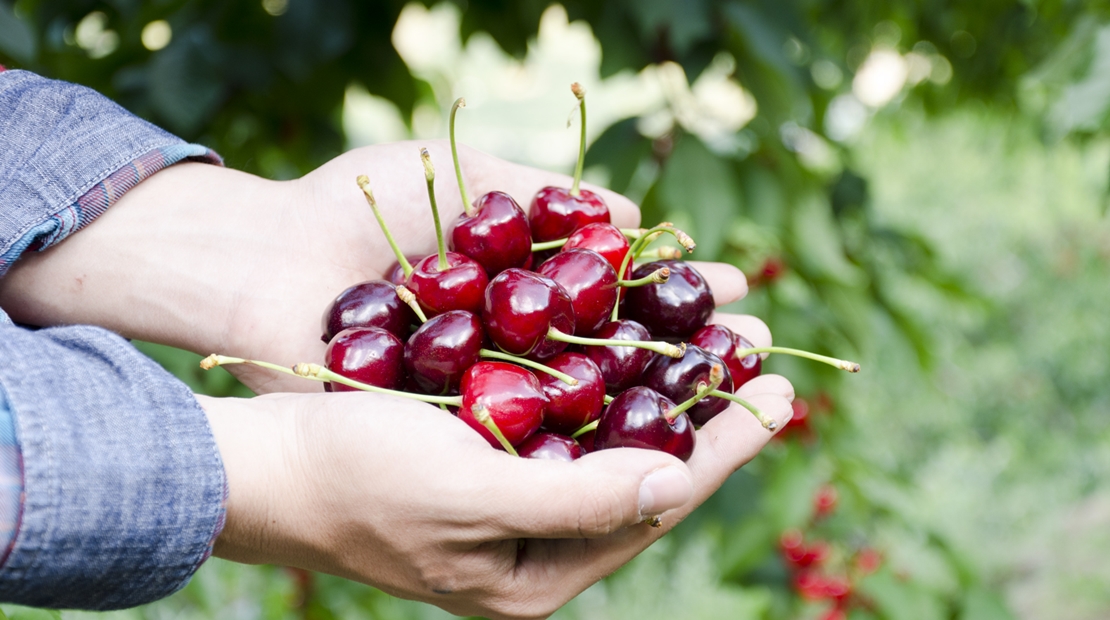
596	495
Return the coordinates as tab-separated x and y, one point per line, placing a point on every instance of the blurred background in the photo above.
917	185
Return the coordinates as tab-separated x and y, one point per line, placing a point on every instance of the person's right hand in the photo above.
406	497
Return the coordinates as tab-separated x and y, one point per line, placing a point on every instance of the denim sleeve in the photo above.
111	488
123	482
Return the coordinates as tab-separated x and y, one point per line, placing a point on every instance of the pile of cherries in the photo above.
543	332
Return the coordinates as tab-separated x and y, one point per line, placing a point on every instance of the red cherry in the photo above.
621	367
520	307
441	350
679	378
512	396
497	235
868	560
724	343
605	239
639	418
825	500
591	283
370	355
677	308
458	287
551	447
572	406
369	304
556	213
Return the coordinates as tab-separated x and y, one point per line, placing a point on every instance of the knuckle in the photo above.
601	513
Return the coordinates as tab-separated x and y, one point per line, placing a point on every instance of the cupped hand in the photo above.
405	497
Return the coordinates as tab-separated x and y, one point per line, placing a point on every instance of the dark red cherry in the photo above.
620	367
637	418
497	236
586	440
679	378
572	406
511	394
605	239
369	304
725	343
458	287
520	307
677	308
551	447
441	350
368	354
591	282
555	213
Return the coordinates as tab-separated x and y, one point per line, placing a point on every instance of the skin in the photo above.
385	491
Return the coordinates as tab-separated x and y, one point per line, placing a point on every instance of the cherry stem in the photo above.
469	208
608	399
409	299
592	426
659	276
663	348
637	246
716	377
767	422
661	253
482	414
364	183
317	372
831	361
430	176
499	355
580	93
548	245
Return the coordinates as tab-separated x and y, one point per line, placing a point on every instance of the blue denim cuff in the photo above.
123	482
67	153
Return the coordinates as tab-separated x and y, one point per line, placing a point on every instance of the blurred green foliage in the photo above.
956	247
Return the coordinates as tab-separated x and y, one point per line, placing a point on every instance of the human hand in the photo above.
407	498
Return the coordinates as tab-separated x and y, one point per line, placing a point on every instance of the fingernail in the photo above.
664	489
782	415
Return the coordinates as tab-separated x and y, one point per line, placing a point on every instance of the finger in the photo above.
775	385
523	182
726	281
596	495
748	326
733	438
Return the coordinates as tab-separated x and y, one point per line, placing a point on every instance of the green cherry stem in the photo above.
716	377
766	422
317	372
831	361
469	208
409	299
498	355
481	413
663	348
364	183
608	399
580	93
430	176
548	245
659	276
592	426
665	252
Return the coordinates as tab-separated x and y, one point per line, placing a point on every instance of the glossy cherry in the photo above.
679	379
572	406
521	307
725	343
675	309
550	446
556	212
620	367
441	350
511	395
493	230
590	281
640	417
369	304
603	238
370	355
459	286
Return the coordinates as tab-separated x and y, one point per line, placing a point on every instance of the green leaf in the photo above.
698	182
979	604
818	244
14	612
896	599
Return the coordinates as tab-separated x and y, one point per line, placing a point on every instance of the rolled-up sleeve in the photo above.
112	491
